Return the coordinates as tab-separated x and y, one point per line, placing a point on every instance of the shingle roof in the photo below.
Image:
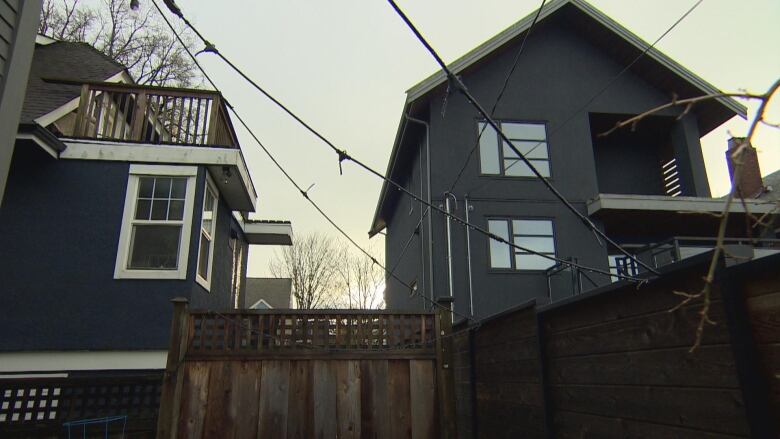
276	292
62	60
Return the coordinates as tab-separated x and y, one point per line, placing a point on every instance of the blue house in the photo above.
579	74
120	197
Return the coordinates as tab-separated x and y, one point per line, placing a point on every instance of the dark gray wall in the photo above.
558	72
18	27
59	231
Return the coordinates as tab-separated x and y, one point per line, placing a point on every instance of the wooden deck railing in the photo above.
135	113
308	332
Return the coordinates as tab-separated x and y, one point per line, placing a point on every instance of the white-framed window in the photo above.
208	226
497	158
156	223
533	234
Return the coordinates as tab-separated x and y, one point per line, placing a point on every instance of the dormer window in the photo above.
497	158
155	235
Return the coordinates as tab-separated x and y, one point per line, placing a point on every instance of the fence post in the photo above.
752	381
170	398
544	379
444	376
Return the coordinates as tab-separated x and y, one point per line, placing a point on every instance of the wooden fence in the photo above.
616	362
320	374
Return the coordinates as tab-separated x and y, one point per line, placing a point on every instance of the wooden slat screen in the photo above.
44	404
260	332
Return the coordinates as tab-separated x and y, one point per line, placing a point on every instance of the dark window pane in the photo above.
145	187
179	188
203	256
143	209
208	204
162	187
159	209
154	247
176	210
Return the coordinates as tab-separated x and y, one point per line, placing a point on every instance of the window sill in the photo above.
510	177
150	274
204	283
512	271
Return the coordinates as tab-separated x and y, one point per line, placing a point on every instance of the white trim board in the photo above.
268	306
46	361
58	113
121	270
38	141
172	154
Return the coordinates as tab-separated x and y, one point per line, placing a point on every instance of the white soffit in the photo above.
236	185
267	233
673	204
48	361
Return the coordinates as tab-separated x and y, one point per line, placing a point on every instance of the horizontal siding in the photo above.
8	17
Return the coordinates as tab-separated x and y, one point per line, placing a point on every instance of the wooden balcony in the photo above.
156	115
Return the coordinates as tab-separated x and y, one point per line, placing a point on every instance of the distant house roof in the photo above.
772	187
63	60
654	67
275	292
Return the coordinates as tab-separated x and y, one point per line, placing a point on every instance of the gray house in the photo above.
18	26
268	293
632	184
120	197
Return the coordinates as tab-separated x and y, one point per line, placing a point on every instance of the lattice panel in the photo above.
42	401
239	332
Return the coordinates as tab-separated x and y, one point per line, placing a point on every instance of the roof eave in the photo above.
484	49
378	223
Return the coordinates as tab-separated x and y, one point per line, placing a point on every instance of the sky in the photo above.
344	67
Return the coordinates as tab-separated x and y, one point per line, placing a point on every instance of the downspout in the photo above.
468	208
428	198
448	207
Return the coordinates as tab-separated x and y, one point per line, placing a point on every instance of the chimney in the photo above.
750	184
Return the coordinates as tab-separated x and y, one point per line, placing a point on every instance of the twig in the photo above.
709	279
688	103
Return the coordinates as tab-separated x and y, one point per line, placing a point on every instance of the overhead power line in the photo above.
500	95
343	155
458	84
298	187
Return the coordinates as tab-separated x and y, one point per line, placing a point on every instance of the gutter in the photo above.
42	137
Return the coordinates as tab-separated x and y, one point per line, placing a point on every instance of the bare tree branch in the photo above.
136	39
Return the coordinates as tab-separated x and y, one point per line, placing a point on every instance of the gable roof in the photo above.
62	59
276	292
655	67
520	27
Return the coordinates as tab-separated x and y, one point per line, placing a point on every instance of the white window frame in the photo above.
210	186
121	271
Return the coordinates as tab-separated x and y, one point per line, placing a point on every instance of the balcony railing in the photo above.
564	281
158	115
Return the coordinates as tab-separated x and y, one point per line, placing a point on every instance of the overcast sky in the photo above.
344	66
